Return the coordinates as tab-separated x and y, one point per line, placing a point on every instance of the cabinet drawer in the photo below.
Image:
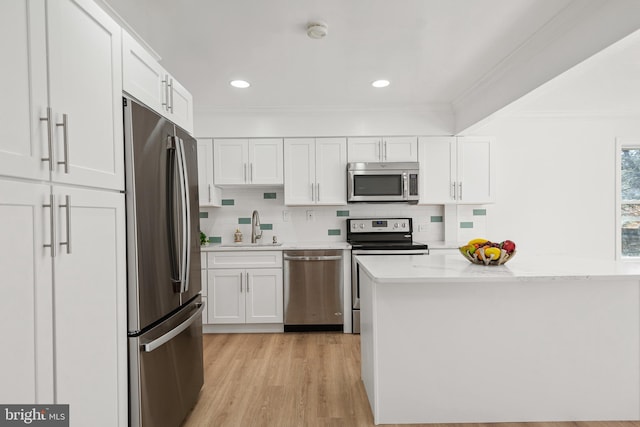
244	259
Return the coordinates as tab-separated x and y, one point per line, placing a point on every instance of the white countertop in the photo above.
454	268
282	247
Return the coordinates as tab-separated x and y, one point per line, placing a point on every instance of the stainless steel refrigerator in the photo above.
163	257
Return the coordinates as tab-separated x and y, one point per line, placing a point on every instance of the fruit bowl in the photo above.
484	252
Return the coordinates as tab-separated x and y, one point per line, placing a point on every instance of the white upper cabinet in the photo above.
143	77
475	170
74	136
85	87
248	161
24	142
456	170
209	194
383	149
315	171
147	81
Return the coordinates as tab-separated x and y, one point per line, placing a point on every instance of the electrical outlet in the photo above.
422	227
310	215
286	216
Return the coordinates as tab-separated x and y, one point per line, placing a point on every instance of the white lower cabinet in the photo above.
64	307
237	295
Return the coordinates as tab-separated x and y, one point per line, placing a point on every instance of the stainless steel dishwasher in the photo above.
313	290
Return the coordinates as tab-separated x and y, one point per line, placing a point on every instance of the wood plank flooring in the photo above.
295	380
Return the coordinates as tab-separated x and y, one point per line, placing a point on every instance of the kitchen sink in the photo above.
249	245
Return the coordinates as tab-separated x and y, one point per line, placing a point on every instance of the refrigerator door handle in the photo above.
149	347
174	213
186	217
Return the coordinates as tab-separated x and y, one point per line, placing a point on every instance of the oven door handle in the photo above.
391	252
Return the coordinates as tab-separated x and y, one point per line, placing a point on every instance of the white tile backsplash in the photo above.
223	221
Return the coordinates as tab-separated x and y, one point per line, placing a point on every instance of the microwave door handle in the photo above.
405	186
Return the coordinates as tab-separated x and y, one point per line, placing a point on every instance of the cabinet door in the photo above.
299	171
364	149
24	141
230	161
206	189
437	170
331	171
475	169
225	295
180	105
400	149
26	361
265	161
142	75
85	84
264	296
90	305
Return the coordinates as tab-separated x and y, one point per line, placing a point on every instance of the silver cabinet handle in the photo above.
245	173
49	138
52	225
170	90
318	191
165	82
385	151
149	347
241	277
460	192
313	197
209	188
455	192
247	281
67	206
251	172
65	140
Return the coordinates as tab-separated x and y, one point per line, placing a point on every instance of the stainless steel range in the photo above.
378	236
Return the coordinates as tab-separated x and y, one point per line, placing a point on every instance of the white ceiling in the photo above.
433	51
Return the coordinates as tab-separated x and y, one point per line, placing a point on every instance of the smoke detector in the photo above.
317	29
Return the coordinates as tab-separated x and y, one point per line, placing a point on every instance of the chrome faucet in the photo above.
255	224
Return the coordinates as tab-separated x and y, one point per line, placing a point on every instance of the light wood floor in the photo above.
295	380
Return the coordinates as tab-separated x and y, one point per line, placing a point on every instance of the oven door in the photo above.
355	277
377	186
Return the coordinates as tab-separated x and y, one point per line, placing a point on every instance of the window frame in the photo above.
622	143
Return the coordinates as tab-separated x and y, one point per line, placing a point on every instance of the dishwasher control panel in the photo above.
379	225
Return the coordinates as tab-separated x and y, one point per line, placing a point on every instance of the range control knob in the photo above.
362	225
395	225
404	225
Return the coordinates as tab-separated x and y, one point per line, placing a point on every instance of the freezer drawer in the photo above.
166	369
313	289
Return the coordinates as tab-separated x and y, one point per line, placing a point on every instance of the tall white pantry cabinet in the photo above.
62	217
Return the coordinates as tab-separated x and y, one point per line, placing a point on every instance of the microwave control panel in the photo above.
380	225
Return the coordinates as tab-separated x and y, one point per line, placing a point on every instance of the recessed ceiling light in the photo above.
240	84
380	83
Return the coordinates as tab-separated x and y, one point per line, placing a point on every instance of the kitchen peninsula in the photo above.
544	339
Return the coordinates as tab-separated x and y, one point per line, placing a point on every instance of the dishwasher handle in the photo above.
313	258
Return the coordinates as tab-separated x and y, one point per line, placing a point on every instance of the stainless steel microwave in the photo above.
383	182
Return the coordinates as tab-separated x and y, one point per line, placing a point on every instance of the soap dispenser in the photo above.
237	236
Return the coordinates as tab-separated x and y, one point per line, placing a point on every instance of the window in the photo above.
628	197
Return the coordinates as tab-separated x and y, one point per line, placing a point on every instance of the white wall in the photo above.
556	183
265	123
